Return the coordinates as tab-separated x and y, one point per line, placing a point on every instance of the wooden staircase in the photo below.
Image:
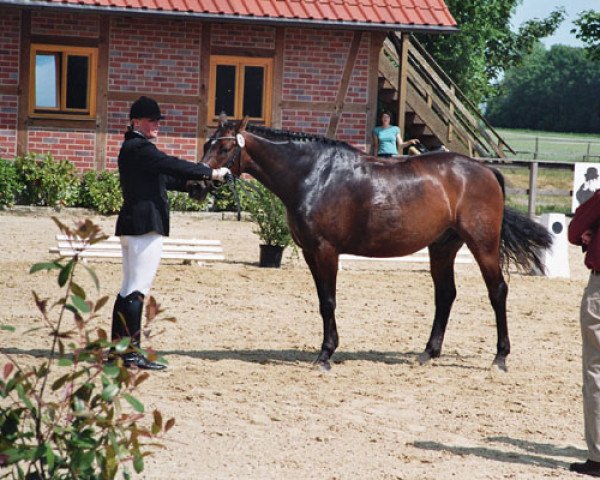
436	111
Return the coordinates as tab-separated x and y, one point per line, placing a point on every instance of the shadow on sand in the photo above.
290	356
528	453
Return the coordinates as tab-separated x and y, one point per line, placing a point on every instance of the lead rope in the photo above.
232	180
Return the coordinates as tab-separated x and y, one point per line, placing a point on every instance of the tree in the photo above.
588	31
552	90
485	46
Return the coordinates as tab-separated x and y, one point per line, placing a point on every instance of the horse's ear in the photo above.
243	124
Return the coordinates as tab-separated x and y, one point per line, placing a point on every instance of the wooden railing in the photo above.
441	105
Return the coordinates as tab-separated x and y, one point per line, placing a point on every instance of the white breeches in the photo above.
141	257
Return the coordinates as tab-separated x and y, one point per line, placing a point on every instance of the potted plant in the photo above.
268	213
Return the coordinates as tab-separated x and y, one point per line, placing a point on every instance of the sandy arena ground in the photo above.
250	405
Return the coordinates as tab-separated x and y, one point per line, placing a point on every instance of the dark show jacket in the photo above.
146	174
587	217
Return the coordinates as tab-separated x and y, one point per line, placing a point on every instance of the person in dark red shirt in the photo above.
584	230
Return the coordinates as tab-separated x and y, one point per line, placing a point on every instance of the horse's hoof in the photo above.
424	358
323	365
500	364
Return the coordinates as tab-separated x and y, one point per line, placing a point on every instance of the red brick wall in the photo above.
9	46
313	66
77	146
9	77
8	126
254	36
352	129
154	56
74	24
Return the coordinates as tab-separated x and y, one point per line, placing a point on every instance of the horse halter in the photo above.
240	142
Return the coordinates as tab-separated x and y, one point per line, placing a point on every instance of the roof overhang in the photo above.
228	18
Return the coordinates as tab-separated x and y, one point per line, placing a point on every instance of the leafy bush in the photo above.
181	202
72	416
223	200
269	214
10	186
101	192
47	181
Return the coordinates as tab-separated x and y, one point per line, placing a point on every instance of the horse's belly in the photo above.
387	233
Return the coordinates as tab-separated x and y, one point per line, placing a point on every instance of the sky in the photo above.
530	9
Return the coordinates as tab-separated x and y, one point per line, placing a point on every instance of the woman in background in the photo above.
387	139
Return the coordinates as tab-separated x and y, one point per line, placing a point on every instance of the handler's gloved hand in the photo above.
219	174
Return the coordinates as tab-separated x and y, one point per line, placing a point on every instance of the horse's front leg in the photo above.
323	264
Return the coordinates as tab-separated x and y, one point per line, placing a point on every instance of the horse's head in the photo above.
226	147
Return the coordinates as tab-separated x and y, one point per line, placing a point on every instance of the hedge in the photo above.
42	180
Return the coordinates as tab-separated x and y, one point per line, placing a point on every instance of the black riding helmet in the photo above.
145	107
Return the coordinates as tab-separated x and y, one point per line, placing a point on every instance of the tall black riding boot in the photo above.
127	322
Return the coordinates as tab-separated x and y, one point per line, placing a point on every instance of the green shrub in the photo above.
223	200
47	181
269	214
101	192
181	202
70	415
10	186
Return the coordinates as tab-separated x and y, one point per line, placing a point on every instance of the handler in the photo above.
584	231
146	173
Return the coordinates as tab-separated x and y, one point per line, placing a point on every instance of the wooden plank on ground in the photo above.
173	248
464	256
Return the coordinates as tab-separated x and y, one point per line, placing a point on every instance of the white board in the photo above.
586	180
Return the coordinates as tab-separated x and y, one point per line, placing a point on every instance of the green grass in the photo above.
548	179
553	146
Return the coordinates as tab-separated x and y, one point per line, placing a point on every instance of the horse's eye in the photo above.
223	150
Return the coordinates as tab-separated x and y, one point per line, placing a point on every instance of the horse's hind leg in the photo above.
442	255
487	255
489	263
323	265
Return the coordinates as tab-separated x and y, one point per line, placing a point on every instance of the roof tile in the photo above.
386	12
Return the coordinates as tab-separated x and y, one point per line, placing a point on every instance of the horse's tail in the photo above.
500	179
522	239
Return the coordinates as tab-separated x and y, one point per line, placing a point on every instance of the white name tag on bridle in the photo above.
241	141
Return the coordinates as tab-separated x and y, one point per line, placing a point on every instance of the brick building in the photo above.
70	69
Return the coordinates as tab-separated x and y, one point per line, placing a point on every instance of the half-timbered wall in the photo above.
9	81
166	58
155	57
313	65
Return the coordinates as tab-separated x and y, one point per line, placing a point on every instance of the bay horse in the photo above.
340	200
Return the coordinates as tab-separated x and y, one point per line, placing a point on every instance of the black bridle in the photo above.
232	179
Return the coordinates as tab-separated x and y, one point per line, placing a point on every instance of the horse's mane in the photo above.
295	137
